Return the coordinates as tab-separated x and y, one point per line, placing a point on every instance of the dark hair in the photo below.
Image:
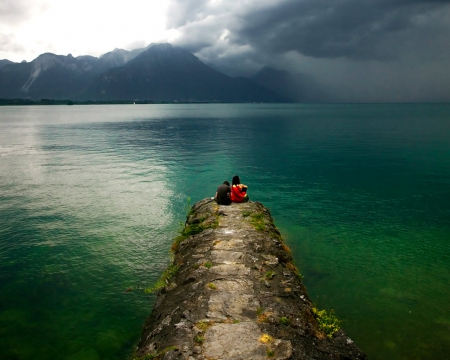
226	182
236	180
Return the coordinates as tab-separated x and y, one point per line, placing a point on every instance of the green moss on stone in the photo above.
328	322
257	220
167	275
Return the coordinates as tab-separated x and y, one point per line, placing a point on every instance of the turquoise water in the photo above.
91	197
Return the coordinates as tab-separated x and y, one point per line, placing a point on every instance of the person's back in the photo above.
223	192
238	191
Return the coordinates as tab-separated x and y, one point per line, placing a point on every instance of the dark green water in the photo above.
91	196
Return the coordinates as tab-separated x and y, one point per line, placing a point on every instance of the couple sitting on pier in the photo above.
225	194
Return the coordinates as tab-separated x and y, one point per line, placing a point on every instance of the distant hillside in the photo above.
167	73
56	76
159	72
5	62
48	76
118	57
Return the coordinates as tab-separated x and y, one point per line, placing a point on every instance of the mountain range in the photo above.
159	72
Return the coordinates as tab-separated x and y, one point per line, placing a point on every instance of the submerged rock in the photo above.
234	293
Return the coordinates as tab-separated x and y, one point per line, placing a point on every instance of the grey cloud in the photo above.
320	28
8	43
181	13
13	11
334	28
198	37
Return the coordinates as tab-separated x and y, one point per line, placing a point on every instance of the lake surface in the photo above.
92	196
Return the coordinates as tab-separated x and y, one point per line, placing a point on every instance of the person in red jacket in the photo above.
238	190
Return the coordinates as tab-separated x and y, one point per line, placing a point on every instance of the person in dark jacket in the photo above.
223	194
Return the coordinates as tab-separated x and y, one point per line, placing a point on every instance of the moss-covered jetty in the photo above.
232	292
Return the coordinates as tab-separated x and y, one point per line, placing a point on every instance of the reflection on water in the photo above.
91	196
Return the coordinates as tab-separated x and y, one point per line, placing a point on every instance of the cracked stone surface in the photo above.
233	287
230	270
247	345
227	257
224	305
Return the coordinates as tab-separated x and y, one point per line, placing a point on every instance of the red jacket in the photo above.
237	195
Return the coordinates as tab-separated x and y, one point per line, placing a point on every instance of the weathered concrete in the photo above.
236	295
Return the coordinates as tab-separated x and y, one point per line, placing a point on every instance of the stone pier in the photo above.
232	292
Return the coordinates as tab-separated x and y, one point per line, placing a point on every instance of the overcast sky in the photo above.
359	50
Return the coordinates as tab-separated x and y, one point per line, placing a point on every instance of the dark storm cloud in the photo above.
318	28
362	50
350	28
